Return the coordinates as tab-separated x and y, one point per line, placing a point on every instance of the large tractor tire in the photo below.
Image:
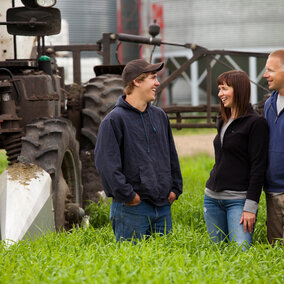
99	99
51	144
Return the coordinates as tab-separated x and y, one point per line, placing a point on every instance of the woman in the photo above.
234	187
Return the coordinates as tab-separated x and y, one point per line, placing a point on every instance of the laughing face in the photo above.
149	87
226	95
274	74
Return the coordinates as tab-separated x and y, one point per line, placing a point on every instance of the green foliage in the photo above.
3	161
99	213
186	256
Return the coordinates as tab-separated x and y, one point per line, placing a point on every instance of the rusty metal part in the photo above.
23	63
9	120
103	47
179	116
75	94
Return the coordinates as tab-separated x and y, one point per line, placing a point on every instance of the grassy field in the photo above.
187	256
3	161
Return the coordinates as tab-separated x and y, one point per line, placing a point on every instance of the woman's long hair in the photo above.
240	83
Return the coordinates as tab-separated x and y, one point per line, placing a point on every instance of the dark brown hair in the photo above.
240	83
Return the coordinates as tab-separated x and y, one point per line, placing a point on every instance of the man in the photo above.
274	113
136	157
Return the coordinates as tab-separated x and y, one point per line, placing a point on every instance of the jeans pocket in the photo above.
136	210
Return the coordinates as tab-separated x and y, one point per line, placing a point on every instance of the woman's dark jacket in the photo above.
240	163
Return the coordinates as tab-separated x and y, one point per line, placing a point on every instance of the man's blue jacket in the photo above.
275	171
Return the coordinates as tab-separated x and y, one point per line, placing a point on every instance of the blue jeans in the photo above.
141	220
222	219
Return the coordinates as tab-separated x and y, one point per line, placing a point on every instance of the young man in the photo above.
136	157
274	113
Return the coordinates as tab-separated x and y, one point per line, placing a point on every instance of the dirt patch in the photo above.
189	145
23	173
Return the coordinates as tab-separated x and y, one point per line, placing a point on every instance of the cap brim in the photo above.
154	67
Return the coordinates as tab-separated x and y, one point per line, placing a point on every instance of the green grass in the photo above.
187	256
3	161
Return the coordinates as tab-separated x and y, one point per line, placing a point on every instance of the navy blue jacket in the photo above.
240	162
135	153
275	171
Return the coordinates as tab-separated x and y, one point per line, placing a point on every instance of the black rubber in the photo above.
51	144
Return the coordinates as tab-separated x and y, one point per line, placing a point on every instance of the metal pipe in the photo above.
34	23
150	40
208	87
137	39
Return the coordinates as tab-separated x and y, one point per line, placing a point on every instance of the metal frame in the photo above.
180	114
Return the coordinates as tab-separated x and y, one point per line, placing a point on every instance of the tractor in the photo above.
48	129
41	124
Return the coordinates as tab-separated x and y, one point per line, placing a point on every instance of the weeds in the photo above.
99	213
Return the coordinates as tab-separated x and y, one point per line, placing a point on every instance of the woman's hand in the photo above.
248	220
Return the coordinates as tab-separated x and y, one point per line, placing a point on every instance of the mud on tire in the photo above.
100	97
51	144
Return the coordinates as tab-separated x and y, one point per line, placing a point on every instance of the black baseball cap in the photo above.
136	67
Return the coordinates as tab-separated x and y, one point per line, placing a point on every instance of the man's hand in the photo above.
172	197
248	220
135	201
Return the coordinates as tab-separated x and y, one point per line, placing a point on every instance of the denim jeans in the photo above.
222	219
141	220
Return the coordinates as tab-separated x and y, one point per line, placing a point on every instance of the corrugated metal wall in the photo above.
88	19
130	24
212	23
254	25
224	23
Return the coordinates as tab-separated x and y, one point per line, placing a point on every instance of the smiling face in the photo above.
226	95
274	74
234	93
148	87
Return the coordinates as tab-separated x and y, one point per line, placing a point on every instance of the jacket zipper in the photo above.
225	134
